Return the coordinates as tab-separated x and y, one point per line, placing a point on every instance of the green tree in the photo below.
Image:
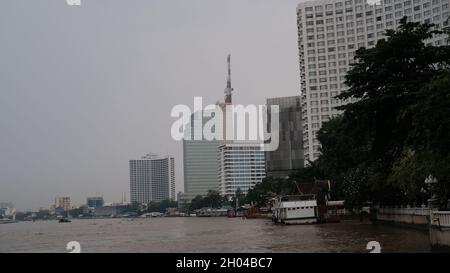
262	192
386	80
167	203
153	207
396	118
196	203
43	214
213	199
238	198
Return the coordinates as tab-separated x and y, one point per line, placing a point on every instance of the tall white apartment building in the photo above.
242	166
152	179
329	33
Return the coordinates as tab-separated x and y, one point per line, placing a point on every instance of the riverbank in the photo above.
436	223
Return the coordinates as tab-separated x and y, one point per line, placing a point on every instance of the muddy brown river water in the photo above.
215	234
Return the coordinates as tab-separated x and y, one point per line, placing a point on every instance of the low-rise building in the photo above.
95	202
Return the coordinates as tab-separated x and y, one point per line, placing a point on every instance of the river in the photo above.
214	234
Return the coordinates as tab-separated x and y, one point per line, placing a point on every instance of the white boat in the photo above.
6	221
7	215
295	209
152	214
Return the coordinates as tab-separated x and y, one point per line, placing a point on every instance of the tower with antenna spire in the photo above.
228	89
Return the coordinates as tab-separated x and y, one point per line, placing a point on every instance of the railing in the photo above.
405	211
440	218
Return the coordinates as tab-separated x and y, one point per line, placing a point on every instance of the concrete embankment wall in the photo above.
407	216
405	219
436	222
440	237
440	229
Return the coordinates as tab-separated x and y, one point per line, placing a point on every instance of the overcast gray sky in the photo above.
85	89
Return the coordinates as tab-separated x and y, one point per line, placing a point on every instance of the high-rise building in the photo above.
289	155
62	203
94	202
241	163
329	33
200	162
201	156
242	166
152	179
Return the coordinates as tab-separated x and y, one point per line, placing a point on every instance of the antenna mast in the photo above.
228	89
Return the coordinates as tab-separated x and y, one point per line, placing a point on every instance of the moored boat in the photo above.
295	209
6	221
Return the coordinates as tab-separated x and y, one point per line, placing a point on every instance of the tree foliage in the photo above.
161	206
213	199
395	125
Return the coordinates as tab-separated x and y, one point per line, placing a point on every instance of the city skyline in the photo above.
242	128
77	102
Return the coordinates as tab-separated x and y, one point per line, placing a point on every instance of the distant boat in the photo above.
152	214
6	221
64	220
156	214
